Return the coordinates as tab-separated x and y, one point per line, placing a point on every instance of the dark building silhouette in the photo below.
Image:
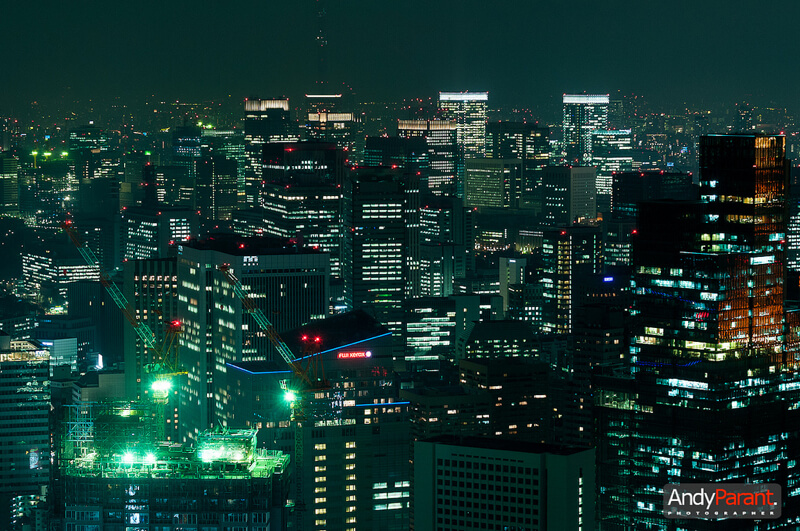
713	395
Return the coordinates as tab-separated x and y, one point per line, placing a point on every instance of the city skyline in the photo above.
207	51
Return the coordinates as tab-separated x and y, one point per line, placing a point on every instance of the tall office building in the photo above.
333	118
303	162
150	232
468	110
583	113
290	285
445	159
151	287
25	437
612	151
216	187
476	483
629	188
187	142
307	212
46	274
9	185
568	195
91	153
708	345
380	254
400	152
528	142
571	257
353	472
265	121
493	183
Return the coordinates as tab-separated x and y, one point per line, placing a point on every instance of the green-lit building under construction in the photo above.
114	477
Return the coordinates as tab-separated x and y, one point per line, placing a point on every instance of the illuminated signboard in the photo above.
358	354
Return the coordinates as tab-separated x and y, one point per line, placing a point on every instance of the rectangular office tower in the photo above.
445	159
583	113
25	433
468	110
474	483
265	121
713	396
290	285
381	247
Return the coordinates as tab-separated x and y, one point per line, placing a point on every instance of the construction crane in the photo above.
309	378
166	355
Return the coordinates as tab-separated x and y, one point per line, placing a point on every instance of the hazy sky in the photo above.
522	51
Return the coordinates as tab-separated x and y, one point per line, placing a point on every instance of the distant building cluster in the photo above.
333	316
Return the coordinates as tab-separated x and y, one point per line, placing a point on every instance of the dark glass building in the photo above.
713	395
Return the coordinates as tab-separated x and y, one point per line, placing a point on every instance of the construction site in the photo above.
115	475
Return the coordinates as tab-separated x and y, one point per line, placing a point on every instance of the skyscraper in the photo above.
333	118
493	183
583	113
612	151
9	185
468	110
380	256
528	142
714	393
445	159
265	121
568	194
571	256
25	437
289	284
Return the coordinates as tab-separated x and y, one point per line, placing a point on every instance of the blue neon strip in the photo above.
658	364
383	405
345	346
262	372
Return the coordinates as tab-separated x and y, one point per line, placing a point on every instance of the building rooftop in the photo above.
338	331
506	445
505	329
236	245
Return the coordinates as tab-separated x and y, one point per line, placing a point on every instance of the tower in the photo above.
713	394
380	255
468	110
583	113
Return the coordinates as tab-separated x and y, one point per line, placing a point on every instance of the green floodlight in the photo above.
128	458
34	153
290	396
150	458
161	386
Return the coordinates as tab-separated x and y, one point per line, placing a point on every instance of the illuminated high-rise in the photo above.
445	159
25	437
568	194
612	151
468	110
583	113
265	121
333	118
9	185
288	284
714	394
528	142
381	246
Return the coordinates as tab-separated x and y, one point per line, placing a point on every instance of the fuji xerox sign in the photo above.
723	500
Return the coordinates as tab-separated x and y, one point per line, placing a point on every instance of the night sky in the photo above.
522	51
